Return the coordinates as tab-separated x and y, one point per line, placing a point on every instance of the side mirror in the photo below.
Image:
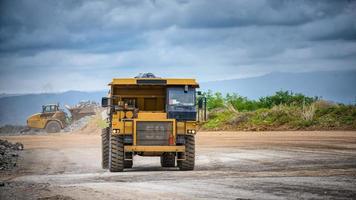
104	102
200	103
198	92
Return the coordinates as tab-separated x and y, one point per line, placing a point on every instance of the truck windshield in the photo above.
177	97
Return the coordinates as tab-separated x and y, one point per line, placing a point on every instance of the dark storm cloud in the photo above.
75	24
243	38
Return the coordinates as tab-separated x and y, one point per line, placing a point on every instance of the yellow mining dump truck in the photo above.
150	116
52	119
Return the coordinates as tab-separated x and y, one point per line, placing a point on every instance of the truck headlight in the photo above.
191	131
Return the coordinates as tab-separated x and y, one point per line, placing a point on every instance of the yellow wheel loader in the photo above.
51	119
150	116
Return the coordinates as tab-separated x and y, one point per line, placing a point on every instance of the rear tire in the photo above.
116	158
189	162
168	160
105	148
53	127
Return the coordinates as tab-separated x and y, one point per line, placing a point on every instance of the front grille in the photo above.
153	133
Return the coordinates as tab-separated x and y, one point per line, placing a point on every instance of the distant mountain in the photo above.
14	109
338	86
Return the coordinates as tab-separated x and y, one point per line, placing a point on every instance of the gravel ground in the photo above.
9	154
229	165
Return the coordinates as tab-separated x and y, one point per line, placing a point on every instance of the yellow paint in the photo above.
152	115
181	81
123	81
170	81
115	121
36	121
129	114
128	129
118	125
154	148
190	125
181	128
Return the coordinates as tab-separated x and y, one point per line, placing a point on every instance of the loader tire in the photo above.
188	163
105	148
116	158
168	160
53	127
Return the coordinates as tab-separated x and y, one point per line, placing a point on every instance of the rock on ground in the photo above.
8	154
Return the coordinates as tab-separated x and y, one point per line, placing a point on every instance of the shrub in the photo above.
241	103
287	98
276	116
218	120
308	112
215	100
282	111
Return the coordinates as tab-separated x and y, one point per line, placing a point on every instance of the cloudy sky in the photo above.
65	45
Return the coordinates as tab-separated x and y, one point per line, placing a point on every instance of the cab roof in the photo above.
50	104
155	81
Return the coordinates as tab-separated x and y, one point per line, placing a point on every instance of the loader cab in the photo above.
50	108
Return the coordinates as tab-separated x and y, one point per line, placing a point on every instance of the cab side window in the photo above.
47	109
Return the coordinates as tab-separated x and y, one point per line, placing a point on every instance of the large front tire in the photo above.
189	161
116	158
105	139
53	127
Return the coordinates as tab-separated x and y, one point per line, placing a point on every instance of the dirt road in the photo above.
229	165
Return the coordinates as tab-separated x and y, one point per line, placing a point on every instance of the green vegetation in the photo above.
282	111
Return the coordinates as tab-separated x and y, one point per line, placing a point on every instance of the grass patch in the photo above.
316	116
217	120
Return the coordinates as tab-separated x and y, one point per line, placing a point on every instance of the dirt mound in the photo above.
8	154
82	109
91	127
78	124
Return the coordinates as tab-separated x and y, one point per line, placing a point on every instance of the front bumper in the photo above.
154	148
